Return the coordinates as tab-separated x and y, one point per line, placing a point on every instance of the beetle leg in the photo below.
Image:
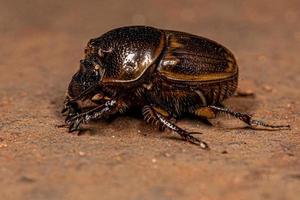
248	119
152	116
71	109
166	115
108	108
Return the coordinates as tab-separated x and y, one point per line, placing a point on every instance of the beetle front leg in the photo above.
109	108
248	119
70	109
153	116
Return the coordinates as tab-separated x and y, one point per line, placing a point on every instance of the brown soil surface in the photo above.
41	45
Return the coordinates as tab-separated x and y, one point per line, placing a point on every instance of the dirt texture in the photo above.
41	45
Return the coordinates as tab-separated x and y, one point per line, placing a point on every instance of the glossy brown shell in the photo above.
127	52
192	58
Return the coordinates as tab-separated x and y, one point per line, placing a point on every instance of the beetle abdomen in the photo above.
216	92
192	58
180	97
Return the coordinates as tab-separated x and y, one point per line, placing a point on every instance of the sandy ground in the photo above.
41	45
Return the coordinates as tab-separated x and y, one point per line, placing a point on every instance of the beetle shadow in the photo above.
131	122
246	104
175	139
258	128
57	102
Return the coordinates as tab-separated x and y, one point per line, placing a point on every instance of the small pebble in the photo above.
267	88
167	155
261	58
3	145
27	179
246	93
81	153
224	152
118	158
153	160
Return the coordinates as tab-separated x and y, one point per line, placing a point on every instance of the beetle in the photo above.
164	74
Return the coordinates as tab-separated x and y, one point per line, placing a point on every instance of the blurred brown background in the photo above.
41	45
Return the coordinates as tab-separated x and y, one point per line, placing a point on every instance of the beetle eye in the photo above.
97	67
99	72
96	70
101	52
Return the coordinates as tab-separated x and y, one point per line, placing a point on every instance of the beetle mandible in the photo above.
165	74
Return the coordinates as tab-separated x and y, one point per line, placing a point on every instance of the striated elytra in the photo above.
163	74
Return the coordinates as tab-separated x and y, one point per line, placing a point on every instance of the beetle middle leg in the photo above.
71	106
248	119
154	116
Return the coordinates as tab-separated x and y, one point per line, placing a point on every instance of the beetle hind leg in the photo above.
248	119
155	117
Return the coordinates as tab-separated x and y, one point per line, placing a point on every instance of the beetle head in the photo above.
87	77
84	83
